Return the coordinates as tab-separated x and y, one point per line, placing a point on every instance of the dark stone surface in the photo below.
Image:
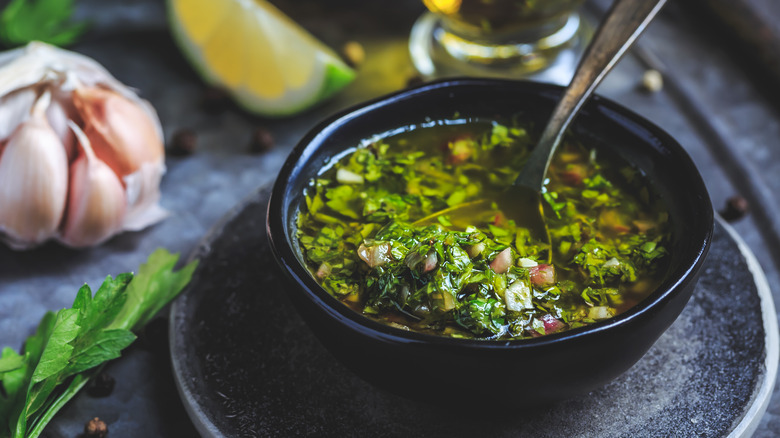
130	38
249	366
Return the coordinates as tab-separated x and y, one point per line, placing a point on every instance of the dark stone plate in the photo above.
247	365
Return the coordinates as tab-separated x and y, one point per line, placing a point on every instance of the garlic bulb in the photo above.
81	155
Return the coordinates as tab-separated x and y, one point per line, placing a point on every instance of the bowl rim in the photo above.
279	234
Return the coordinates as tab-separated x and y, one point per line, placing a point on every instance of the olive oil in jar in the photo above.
501	16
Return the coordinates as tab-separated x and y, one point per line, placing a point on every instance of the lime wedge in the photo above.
268	63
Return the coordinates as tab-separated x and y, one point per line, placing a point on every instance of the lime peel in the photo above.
265	31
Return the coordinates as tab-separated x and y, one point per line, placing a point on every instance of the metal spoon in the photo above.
522	201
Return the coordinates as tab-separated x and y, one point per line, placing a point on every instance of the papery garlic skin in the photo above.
109	140
33	181
14	109
97	204
143	196
39	62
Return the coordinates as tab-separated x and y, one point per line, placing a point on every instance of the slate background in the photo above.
712	103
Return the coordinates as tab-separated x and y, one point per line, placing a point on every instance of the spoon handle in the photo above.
625	21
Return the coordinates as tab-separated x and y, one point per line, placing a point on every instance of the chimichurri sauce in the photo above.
490	280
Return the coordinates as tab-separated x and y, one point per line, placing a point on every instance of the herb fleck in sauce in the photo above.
489	280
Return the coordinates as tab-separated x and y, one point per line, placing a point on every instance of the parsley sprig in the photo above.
49	21
70	346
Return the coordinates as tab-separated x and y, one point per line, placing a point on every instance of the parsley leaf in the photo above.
49	21
152	288
482	316
70	346
10	361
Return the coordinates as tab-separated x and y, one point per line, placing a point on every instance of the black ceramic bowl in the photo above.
527	372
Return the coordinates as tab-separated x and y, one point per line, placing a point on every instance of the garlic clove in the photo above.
15	108
33	181
59	112
122	134
97	203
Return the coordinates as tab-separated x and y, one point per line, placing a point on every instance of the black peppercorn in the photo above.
415	81
261	141
736	208
95	428
183	142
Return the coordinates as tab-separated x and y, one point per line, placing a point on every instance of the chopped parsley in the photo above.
489	280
